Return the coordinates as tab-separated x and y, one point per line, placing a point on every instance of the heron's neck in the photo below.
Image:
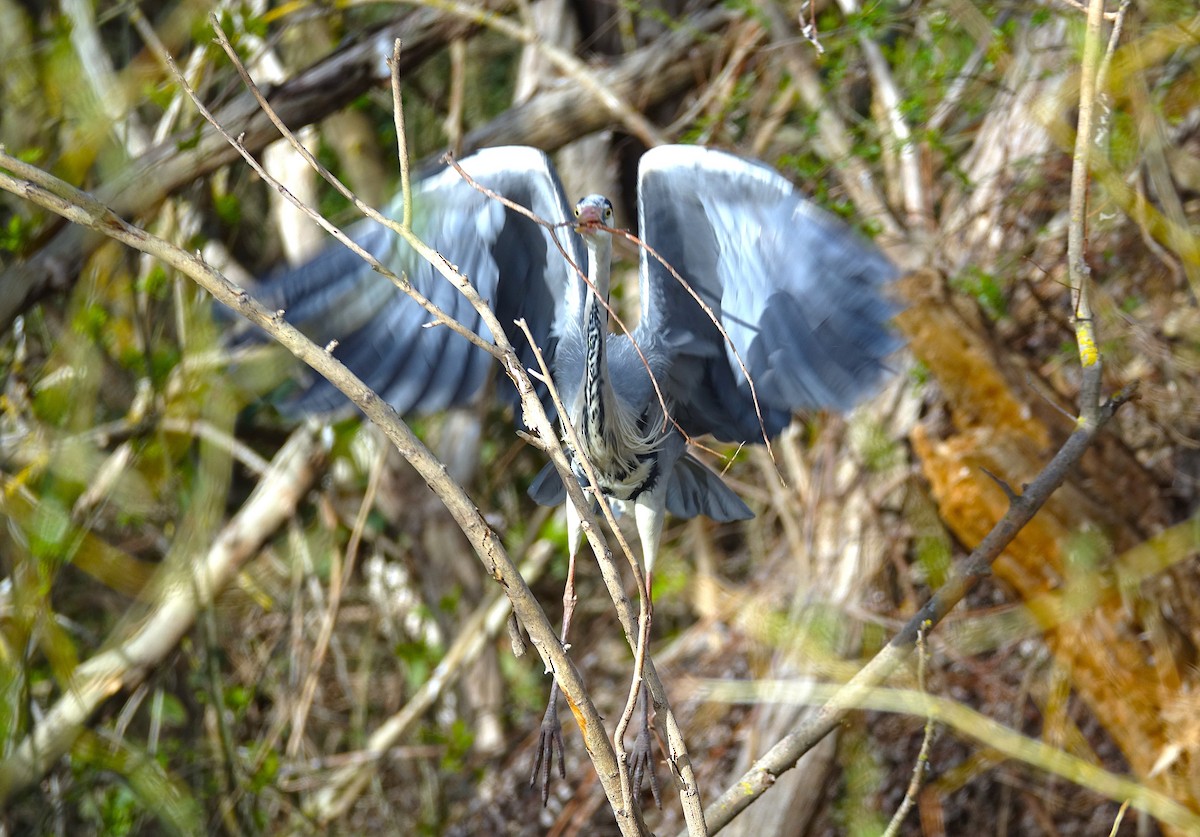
599	271
597	389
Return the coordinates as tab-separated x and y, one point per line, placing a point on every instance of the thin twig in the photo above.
340	571
918	772
1004	486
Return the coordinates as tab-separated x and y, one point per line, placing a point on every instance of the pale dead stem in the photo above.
716	321
340	571
300	709
453	123
721	89
899	135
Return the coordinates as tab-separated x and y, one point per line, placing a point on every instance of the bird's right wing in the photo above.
800	296
385	337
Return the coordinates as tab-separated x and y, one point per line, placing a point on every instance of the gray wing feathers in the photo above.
382	333
547	488
693	490
799	293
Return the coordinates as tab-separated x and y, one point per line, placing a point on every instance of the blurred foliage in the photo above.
126	444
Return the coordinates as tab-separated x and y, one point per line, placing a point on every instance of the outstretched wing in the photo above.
798	292
384	337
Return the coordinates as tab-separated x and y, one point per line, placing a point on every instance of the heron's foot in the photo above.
641	758
550	741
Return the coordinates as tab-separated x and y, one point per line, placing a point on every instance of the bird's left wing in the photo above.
800	295
385	337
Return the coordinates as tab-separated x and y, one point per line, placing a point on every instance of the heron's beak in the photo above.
587	219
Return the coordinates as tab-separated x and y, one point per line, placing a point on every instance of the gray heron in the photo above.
799	296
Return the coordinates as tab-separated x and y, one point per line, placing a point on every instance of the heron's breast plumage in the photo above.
620	432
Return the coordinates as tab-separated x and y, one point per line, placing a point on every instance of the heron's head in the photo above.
591	214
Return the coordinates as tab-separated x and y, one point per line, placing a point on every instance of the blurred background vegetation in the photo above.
128	442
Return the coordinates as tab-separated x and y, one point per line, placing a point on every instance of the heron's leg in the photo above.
549	742
648	513
642	756
550	739
574	533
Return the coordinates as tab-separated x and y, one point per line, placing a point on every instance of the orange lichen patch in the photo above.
977	389
1102	636
1093	640
580	718
971	502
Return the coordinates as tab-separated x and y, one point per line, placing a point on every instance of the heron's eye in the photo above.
576	212
607	213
